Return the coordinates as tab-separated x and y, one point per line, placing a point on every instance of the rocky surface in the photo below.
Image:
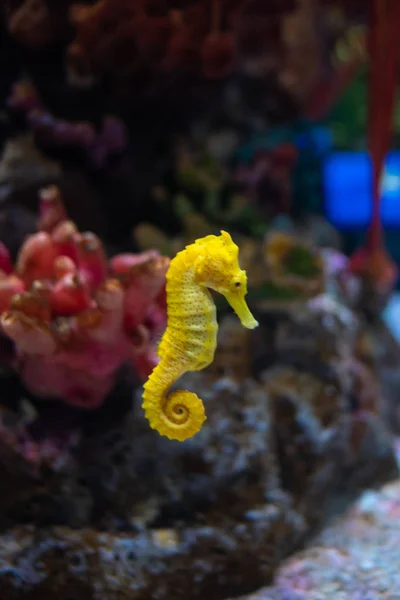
356	558
385	351
22	165
126	513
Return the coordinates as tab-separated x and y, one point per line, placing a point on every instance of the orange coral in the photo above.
35	23
120	36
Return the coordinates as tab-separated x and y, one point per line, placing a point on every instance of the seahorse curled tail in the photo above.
178	415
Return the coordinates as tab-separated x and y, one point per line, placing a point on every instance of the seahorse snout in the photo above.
239	305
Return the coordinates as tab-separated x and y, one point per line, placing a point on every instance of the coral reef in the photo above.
272	460
164	37
210	38
110	85
97	505
206	192
156	37
35	23
148	48
74	317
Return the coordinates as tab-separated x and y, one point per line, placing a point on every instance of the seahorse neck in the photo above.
183	267
181	276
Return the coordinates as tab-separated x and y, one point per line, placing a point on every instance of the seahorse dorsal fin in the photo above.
226	236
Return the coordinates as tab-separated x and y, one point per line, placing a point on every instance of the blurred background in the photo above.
238	112
168	119
129	128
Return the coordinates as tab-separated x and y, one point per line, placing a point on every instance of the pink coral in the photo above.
75	317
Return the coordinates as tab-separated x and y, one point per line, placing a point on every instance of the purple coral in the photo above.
52	132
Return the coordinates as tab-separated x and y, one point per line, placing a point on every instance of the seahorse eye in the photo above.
238	281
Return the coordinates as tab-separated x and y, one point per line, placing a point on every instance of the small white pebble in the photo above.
366	565
368	502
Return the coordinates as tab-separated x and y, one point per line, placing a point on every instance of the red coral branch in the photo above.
124	37
74	317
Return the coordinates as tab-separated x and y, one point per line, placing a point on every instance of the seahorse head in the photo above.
217	267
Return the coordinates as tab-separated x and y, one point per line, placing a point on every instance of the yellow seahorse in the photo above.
190	338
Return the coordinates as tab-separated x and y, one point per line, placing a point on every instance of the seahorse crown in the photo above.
217	264
219	244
